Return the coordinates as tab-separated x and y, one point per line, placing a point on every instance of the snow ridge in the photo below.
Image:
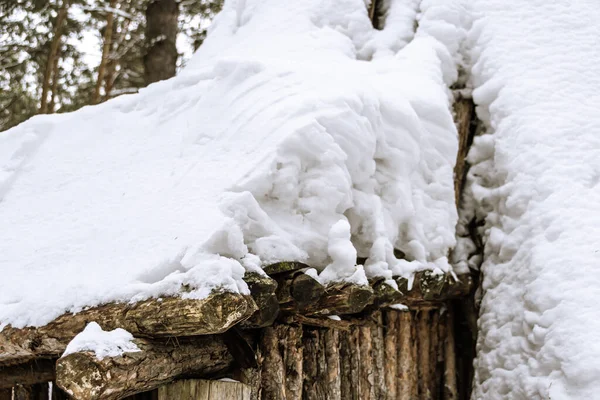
277	142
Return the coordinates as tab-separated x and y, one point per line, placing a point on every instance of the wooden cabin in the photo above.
291	339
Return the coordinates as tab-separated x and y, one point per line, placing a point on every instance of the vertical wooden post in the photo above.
331	345
350	364
293	355
423	340
450	387
367	387
272	368
407	360
391	354
198	389
313	388
378	356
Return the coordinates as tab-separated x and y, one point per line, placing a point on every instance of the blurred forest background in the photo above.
59	55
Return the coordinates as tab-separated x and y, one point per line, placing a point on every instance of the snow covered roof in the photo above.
297	132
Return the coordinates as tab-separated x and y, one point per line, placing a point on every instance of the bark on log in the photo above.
463	115
342	298
283	267
378	356
367	384
331	344
197	389
350	364
290	340
432	290
314	367
167	317
297	290
84	377
424	354
263	291
407	383
391	354
37	371
271	366
450	386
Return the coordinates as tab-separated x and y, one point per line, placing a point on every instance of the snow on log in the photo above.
84	376
165	317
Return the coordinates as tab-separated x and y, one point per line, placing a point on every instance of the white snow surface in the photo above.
537	172
297	132
103	343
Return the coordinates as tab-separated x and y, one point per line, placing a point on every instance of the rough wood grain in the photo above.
341	298
391	354
166	317
433	290
378	355
84	377
450	386
463	117
6	394
290	341
297	290
350	364
407	383
37	371
424	354
367	384
197	389
271	366
263	291
331	349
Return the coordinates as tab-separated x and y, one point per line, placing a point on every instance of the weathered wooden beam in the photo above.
297	290
33	372
341	298
84	377
391	353
198	389
166	317
450	391
263	291
407	388
350	364
271	366
429	289
284	266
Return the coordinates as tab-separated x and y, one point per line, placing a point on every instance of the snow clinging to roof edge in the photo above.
295	133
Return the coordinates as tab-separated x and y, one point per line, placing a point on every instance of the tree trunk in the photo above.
55	78
60	19
160	61
106	47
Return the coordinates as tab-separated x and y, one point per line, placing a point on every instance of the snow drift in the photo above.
535	176
297	133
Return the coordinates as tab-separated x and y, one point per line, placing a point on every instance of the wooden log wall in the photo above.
392	354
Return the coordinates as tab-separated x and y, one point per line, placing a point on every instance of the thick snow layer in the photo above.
297	132
536	173
104	344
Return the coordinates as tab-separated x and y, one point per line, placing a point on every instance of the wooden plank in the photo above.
407	360
391	354
199	389
424	354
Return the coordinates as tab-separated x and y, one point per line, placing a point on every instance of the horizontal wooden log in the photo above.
263	291
430	288
341	298
84	377
37	371
166	317
297	291
284	266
